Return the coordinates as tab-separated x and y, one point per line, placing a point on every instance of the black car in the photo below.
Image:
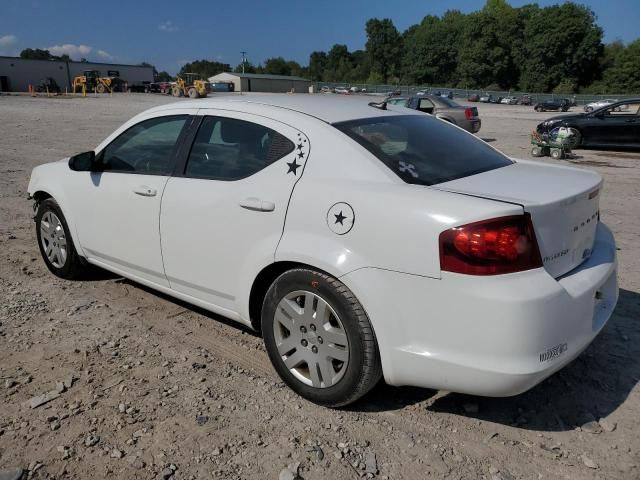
616	125
563	105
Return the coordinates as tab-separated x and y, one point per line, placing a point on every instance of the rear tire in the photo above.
176	92
300	308
537	151
193	93
100	88
556	154
55	242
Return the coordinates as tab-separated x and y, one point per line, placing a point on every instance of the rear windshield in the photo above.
423	150
447	101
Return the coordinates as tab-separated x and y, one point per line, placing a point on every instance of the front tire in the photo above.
319	338
55	242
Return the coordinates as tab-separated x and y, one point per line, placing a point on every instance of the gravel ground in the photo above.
143	386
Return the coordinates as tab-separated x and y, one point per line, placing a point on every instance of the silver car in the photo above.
443	108
590	107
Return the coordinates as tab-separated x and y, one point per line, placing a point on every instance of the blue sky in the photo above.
169	33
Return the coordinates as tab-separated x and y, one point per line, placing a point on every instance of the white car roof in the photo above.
330	109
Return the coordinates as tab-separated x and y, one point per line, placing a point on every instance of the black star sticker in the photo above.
299	146
293	166
301	155
339	218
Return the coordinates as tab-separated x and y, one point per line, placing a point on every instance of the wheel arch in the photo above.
265	278
42	193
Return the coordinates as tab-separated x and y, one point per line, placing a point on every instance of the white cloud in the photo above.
105	55
7	41
74	51
168	26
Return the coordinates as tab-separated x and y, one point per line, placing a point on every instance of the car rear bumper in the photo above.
490	336
472	126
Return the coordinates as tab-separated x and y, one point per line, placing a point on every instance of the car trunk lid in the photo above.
563	203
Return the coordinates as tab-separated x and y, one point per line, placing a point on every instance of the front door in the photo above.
118	208
223	215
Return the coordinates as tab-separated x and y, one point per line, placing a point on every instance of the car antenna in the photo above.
382	105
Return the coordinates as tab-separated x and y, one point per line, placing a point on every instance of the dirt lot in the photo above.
158	389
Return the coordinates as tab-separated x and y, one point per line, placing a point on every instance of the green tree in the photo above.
559	43
277	66
163	76
248	68
338	64
624	74
384	45
204	68
486	54
36	54
317	65
432	48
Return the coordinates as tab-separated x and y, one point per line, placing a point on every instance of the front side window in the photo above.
231	149
145	148
423	150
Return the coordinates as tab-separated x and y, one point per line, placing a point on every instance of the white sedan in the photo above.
363	241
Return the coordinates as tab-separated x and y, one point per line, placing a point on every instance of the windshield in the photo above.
423	150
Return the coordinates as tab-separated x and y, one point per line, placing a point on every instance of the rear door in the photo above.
224	211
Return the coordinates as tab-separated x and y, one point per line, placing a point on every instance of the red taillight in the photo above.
468	113
491	247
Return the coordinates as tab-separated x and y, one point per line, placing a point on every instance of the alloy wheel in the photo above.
311	339
53	239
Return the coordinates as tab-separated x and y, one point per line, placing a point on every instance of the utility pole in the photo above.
244	60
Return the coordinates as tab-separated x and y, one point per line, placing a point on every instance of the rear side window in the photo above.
423	150
231	149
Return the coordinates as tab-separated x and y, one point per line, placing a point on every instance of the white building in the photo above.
257	82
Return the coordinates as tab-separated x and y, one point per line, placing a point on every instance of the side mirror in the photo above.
83	162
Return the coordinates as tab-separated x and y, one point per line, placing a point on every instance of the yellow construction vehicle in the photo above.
91	79
190	85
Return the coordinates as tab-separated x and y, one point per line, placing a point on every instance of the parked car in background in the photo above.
354	89
615	125
326	89
428	259
525	100
590	107
562	104
342	90
486	98
442	108
474	97
422	92
509	100
159	87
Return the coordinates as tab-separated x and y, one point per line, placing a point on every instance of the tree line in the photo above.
558	48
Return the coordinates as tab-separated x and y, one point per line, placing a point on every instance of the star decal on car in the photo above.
293	167
340	218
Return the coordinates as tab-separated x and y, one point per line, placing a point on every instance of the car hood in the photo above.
571	116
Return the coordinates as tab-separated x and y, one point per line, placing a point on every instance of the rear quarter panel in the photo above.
396	225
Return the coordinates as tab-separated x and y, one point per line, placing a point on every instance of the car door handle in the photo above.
257	205
145	191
